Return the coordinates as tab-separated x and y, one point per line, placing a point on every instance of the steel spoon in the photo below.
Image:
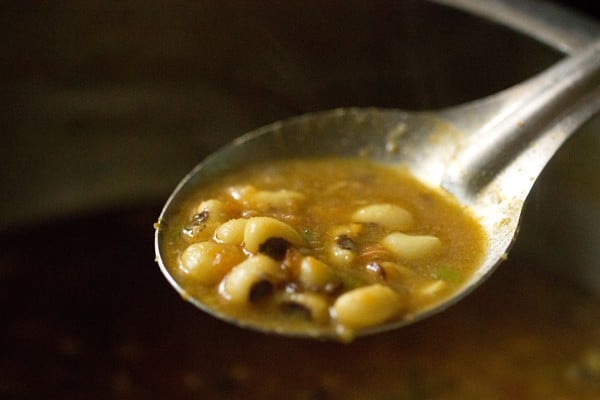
487	153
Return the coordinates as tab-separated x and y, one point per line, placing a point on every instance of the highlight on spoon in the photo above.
268	235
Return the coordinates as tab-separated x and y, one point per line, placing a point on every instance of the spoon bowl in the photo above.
486	153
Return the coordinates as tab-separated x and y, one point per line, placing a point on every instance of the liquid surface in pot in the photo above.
97	321
320	245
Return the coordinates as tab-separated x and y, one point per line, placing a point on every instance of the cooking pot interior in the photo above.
106	105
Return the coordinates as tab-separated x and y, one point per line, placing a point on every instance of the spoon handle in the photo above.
531	119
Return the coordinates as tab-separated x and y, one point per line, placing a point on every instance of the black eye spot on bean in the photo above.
345	242
196	224
201	217
275	248
260	290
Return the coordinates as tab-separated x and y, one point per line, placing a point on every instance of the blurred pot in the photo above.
105	106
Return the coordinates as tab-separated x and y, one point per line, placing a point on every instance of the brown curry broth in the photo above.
334	189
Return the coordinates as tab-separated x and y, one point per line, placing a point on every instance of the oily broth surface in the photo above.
334	188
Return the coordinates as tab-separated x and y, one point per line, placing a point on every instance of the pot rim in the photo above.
556	26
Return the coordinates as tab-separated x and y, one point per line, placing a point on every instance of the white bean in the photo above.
232	231
248	276
242	194
387	215
314	273
342	250
260	229
216	210
352	230
280	199
367	306
340	256
411	246
265	200
314	304
208	216
431	289
396	272
207	262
